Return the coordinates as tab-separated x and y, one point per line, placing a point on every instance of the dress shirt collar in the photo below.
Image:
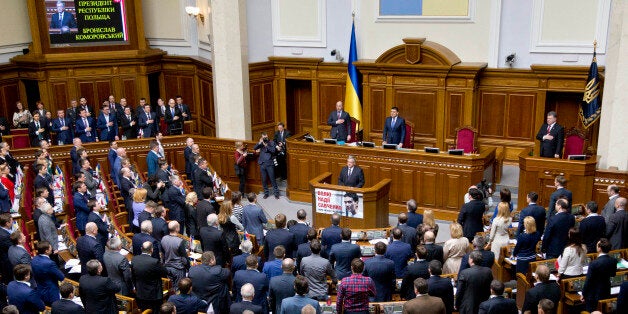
592	215
612	196
346	241
25	282
7	230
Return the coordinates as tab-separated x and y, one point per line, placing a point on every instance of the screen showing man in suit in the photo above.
551	136
62	20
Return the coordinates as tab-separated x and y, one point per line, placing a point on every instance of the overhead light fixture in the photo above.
196	12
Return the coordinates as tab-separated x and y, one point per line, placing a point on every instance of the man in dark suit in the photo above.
98	293
551	136
613	193
488	257
399	252
282	286
617	226
187	153
253	218
247	292
152	158
597	286
89	110
434	251
557	231
409	233
279	236
107	124
592	227
300	229
382	271
46	273
561	192
331	235
114	107
184	108
38	130
84	128
253	276
62	20
145	235
300	300
439	286
65	304
351	175
5	200
146	122
63	127
473	285
185	302
423	302
118	266
394	128
534	210
127	187
239	261
304	250
160	225
44	180
497	304
175	201
101	221
147	273
280	140
414	218
212	239
343	253
470	216
128	124
6	223
543	289
121	109
208	282
174	118
89	248
17	252
205	206
72	112
20	294
340	122
267	150
80	205
202	179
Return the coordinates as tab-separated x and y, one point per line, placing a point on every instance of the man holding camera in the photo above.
266	160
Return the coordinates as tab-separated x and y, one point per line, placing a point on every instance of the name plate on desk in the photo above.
577	157
338	202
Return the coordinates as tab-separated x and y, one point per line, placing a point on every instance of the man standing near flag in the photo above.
551	136
340	122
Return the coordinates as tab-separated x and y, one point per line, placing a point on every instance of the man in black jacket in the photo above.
557	231
592	228
439	286
65	304
497	304
279	236
473	285
147	273
543	289
597	286
418	269
97	292
434	251
209	282
212	239
551	136
488	257
470	216
534	210
202	179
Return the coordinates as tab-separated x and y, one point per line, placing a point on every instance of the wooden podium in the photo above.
374	206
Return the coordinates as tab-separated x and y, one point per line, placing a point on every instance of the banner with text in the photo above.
347	204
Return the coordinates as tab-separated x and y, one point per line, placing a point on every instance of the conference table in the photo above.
436	181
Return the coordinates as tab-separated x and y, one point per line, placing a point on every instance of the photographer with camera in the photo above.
240	156
266	160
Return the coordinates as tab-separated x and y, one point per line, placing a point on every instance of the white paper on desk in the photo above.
75	270
512	241
585	269
515	224
195	256
124	252
375	241
615	290
60	238
71	263
622	264
62	246
553	277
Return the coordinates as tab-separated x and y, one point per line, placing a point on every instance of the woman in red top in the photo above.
240	164
8	184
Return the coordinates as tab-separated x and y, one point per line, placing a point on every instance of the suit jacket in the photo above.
622	298
554	197
356	179
394	134
5	200
329	237
80	209
277	237
91	182
147	273
174	126
342	130
382	271
64	306
139	239
37	137
44	182
253	220
98	294
499	305
278	138
201	181
470	217
24	298
597	286
537	212
281	287
547	290
80	130
556	234
188	303
474	287
152	162
414	219
300	233
5	243
259	282
552	147
399	252
208	283
214	240
442	288
303	250
415	270
408	235
340	257
66	20
148	129
107	133
239	262
617	230
175	203
203	209
160	228
119	270
128	131
240	307
592	228
48	231
47	275
185	109
18	255
297	302
89	248
488	259
63	136
609	208
434	252
424	304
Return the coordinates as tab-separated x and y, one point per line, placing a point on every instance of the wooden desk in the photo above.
435	181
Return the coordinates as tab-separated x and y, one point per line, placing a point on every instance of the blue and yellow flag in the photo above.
590	108
352	94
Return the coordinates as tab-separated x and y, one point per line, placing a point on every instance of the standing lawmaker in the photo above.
266	150
394	128
340	122
551	136
351	175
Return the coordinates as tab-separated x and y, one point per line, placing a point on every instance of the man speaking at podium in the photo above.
394	128
551	136
351	175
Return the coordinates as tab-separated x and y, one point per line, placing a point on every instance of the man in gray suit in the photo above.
118	267
617	226
17	252
90	182
282	286
474	285
609	208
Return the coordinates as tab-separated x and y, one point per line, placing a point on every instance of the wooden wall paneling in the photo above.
428	188
59	96
257	108
492	114
86	89
186	89
171	84
377	95
207	99
329	94
420	106
453	183
10	93
129	91
103	90
520	116
454	112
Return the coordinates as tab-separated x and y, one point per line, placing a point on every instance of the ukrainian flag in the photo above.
352	94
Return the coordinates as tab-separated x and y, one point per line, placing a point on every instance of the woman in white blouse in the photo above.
571	262
22	117
499	228
454	249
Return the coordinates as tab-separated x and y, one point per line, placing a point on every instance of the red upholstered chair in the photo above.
466	139
20	138
575	142
355	126
408	141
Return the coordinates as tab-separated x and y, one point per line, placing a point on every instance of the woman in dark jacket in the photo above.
525	249
190	214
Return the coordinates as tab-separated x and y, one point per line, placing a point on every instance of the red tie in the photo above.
549	127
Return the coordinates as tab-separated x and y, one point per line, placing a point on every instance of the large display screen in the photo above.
86	22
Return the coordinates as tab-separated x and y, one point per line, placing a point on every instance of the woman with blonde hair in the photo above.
499	228
139	203
525	249
454	249
190	214
7	183
428	224
230	226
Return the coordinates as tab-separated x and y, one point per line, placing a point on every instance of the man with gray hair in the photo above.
239	261
117	266
414	218
281	286
98	293
213	240
145	235
488	257
351	175
613	193
175	254
617	226
474	284
147	273
248	292
88	247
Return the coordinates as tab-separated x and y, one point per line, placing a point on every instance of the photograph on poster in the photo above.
346	204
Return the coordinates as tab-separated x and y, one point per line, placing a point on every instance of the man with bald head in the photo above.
88	247
434	251
282	286
300	228
145	235
617	226
147	273
175	254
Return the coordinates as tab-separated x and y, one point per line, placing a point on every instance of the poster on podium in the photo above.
346	204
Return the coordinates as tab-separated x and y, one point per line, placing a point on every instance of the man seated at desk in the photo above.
394	129
62	20
351	175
